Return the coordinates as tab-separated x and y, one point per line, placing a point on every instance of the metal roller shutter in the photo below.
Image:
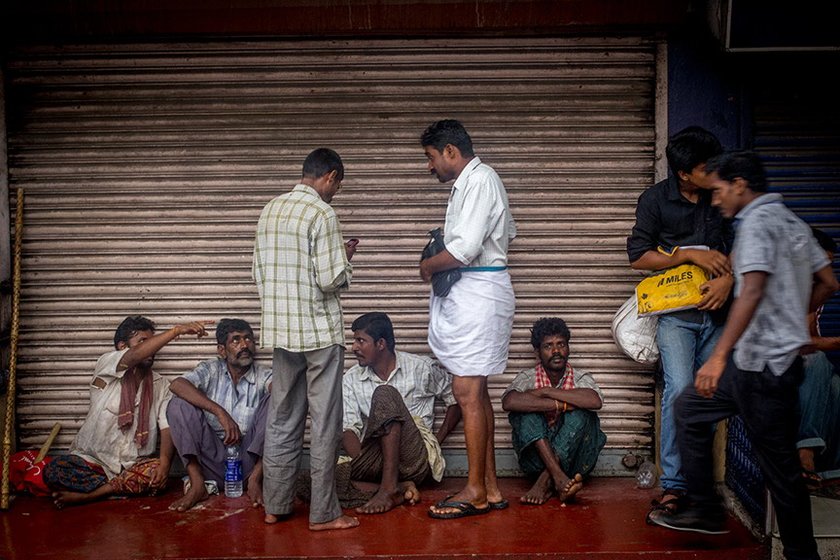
797	134
145	167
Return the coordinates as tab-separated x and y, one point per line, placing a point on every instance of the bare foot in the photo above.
494	495
463	496
540	492
410	492
271	519
66	498
197	493
382	501
572	487
343	522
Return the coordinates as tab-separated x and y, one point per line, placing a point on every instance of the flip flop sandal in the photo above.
496	506
812	479
464	509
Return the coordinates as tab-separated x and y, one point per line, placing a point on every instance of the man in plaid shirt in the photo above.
300	266
556	433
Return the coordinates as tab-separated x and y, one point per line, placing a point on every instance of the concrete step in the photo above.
826	516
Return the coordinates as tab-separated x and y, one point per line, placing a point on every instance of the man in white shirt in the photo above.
470	327
389	409
113	453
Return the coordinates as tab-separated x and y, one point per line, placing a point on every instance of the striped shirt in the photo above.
418	379
212	378
773	240
479	225
300	265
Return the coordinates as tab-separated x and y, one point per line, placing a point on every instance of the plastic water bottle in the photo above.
646	475
233	472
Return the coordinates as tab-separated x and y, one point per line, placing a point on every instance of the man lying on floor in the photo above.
113	453
556	433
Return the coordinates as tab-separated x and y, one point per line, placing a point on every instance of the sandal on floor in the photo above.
812	479
669	502
463	509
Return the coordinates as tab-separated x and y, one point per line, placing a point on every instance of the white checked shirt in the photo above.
418	379
479	225
300	265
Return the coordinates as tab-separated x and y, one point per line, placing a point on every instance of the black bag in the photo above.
441	281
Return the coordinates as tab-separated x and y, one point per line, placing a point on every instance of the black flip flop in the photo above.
501	504
465	509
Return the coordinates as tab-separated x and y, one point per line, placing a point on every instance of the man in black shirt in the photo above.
673	218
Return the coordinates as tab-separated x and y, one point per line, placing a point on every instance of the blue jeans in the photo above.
683	347
819	403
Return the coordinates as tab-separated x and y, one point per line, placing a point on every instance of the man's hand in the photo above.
706	380
425	273
194	327
254	485
350	247
542	392
160	474
715	293
713	262
229	425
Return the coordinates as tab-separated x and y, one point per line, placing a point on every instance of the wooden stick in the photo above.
10	390
47	444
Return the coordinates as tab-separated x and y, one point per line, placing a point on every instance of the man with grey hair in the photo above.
222	402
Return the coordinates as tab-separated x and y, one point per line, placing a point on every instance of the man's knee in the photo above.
468	390
528	421
684	405
180	413
528	427
384	395
581	419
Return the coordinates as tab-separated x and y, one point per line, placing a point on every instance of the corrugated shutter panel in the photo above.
797	134
146	166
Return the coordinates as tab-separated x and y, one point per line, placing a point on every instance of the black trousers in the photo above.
769	406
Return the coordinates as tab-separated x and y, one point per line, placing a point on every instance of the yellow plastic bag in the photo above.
671	290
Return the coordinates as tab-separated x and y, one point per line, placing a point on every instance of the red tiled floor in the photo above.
607	522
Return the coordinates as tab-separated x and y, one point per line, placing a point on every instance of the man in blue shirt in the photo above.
781	274
221	402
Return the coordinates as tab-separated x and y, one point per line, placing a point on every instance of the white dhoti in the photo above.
470	328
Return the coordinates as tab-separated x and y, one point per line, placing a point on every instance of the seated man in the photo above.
819	400
389	402
113	453
556	435
221	402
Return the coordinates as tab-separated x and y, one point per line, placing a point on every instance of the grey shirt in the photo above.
772	239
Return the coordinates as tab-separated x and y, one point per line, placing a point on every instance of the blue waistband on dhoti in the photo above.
482	268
